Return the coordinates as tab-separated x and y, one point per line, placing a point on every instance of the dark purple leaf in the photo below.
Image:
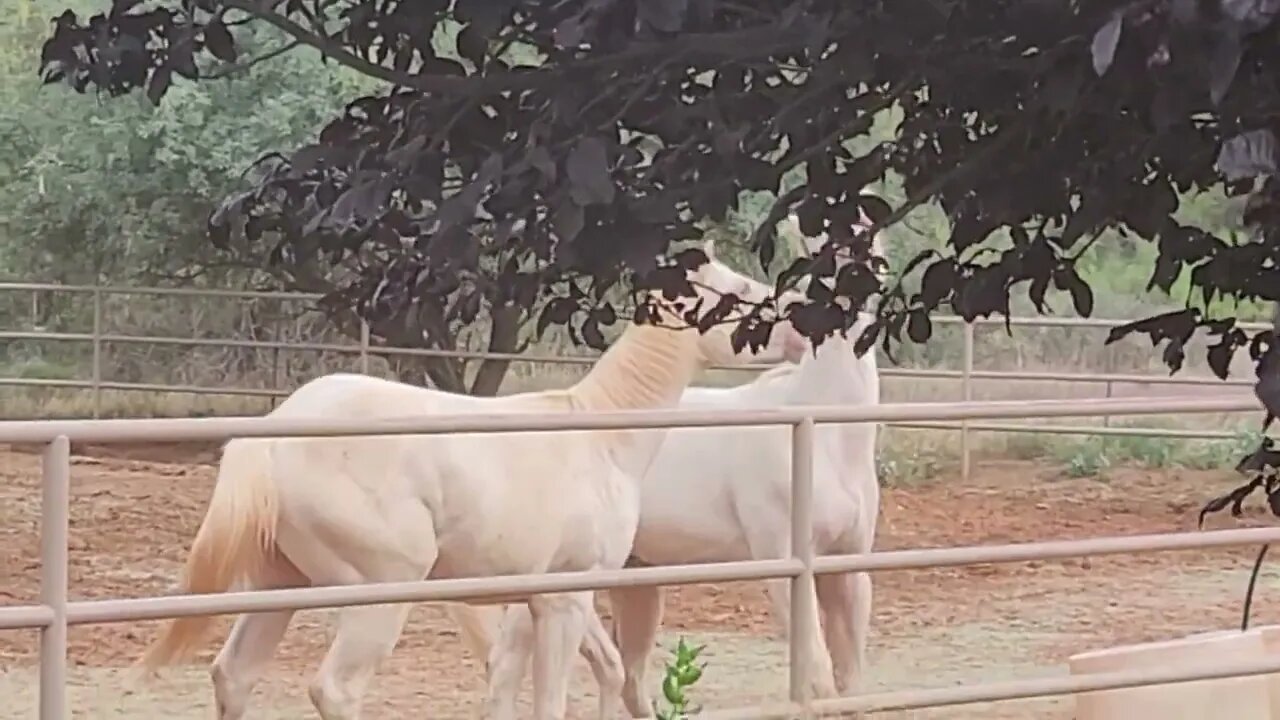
919	327
1248	154
1224	59
663	15
1081	294
588	173
218	41
568	220
158	85
557	312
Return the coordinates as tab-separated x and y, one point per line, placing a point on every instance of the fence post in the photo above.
804	600
97	352
54	511
966	393
1106	419
275	361
364	346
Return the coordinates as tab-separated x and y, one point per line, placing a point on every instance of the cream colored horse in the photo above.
723	494
344	511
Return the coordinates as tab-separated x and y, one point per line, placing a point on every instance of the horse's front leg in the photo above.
821	683
637	612
559	626
846	604
766	545
845	600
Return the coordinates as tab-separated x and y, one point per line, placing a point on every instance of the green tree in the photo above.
98	191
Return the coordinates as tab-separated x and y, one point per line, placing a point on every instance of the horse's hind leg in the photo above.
250	647
366	635
637	611
508	660
243	659
559	624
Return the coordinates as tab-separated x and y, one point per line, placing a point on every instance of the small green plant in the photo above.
1151	452
1086	458
1085	465
909	460
681	674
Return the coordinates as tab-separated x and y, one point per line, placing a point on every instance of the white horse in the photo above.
342	511
723	494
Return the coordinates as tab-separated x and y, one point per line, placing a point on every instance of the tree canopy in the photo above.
517	148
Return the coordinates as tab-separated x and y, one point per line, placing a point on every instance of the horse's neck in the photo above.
835	375
648	367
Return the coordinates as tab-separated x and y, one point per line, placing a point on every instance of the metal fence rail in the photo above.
366	350
55	613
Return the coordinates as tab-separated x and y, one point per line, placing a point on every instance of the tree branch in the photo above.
759	41
981	157
228	70
777	211
782	204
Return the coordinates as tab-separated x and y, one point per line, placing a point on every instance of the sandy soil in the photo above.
135	510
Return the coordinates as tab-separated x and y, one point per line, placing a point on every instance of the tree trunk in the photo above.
503	338
441	373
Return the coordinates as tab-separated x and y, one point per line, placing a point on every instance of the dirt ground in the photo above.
135	510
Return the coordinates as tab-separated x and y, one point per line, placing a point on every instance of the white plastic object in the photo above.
1247	698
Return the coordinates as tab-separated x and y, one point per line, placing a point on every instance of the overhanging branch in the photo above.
755	42
232	68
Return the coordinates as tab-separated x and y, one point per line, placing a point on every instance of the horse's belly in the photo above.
504	528
485	554
660	543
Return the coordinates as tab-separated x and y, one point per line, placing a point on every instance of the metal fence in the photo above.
55	612
365	349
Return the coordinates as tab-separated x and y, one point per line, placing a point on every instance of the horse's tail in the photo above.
234	542
479	625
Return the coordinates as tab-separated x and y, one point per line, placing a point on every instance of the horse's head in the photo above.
845	252
714	280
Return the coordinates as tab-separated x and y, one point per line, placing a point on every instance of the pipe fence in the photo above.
365	349
56	612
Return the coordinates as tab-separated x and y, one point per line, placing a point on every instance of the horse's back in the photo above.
352	396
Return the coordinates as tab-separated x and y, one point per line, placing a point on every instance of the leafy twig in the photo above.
227	70
762	41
